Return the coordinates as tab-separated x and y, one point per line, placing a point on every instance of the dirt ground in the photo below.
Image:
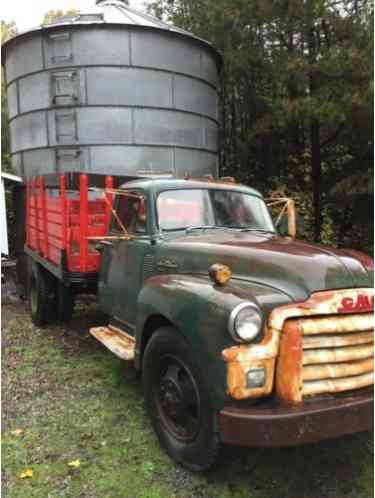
74	415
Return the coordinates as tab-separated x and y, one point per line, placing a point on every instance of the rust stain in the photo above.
120	343
305	334
337	340
338	324
337	385
336	370
337	355
221	274
320	303
336	350
242	358
289	364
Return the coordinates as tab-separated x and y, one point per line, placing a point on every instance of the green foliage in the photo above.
52	15
296	99
8	30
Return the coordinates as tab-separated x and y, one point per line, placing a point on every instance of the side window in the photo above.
131	210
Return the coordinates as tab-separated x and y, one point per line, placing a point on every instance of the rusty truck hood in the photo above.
294	267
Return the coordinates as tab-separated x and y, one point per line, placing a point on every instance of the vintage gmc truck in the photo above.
241	335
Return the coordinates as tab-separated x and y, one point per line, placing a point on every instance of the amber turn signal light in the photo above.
220	274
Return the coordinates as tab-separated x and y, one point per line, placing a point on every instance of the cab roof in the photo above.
159	185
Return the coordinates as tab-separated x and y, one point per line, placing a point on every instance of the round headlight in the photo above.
245	322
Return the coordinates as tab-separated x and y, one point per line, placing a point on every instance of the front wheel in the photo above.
178	401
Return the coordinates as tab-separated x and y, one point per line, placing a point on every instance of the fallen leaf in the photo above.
17	432
26	473
74	463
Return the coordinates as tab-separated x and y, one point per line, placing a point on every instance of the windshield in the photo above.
182	209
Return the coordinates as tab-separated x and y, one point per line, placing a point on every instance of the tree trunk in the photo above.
316	174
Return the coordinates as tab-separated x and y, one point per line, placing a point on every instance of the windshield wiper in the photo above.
201	227
262	230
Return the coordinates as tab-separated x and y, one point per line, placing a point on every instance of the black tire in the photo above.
65	302
186	428
42	296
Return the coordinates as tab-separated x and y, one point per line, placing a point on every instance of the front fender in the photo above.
200	310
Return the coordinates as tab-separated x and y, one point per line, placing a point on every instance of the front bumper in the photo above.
294	425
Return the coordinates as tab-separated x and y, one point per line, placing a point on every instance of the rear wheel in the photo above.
65	302
178	401
42	296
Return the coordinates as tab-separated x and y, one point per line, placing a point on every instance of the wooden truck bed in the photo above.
60	222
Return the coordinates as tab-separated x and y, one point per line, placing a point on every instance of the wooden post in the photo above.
63	212
36	209
109	196
292	224
42	191
27	202
83	221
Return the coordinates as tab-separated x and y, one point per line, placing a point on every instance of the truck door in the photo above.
122	260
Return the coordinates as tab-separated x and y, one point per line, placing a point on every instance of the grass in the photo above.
75	401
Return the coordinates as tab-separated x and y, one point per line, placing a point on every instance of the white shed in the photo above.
6	180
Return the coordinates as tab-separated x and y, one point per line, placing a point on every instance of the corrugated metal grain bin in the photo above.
114	92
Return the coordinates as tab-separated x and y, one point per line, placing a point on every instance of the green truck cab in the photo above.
241	336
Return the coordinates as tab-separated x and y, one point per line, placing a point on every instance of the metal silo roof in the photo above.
116	12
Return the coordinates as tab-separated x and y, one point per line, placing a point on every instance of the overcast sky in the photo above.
29	13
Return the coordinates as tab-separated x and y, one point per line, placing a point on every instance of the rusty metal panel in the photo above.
267	425
121	344
321	354
336	370
337	324
290	364
336	355
323	303
337	385
240	359
335	341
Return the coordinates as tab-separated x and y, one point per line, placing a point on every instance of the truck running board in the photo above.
117	341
